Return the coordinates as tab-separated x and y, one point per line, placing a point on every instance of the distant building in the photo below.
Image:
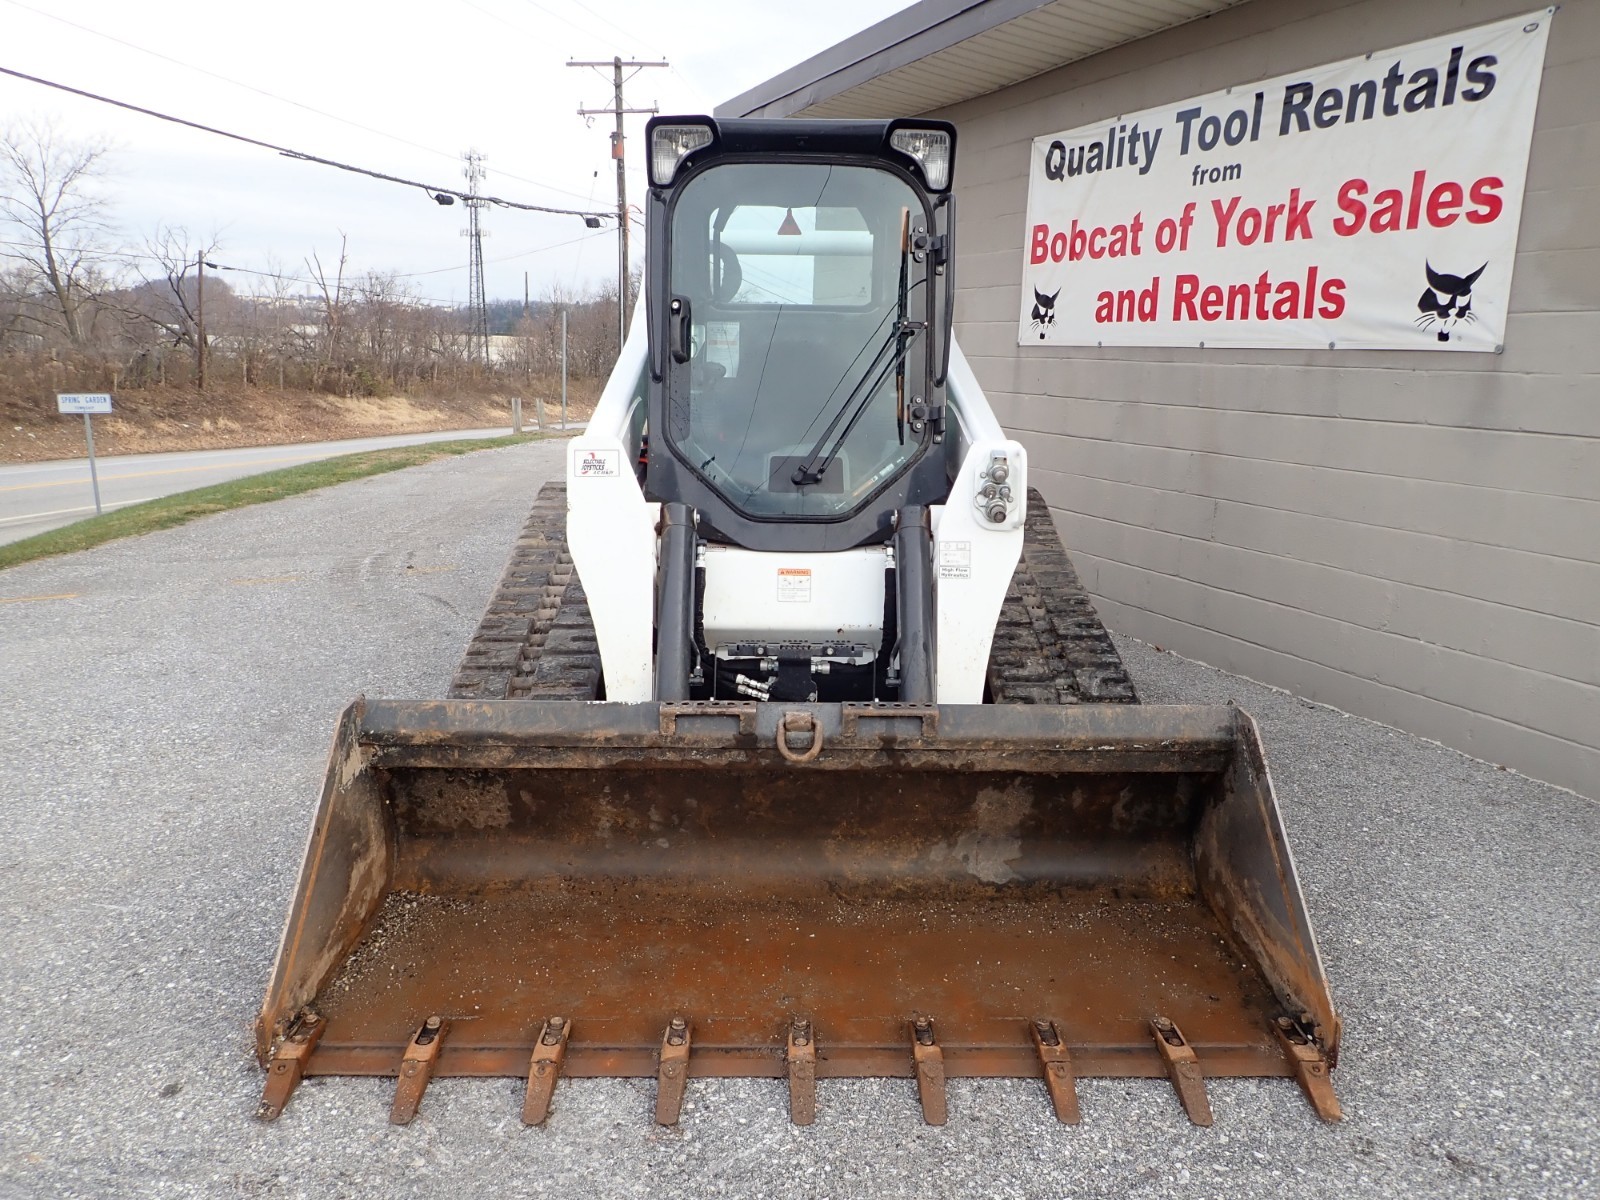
507	348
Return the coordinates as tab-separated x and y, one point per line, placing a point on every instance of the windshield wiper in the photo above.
890	355
900	357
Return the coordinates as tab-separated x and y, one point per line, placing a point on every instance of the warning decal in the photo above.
794	585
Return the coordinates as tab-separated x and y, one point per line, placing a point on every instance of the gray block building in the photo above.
1411	535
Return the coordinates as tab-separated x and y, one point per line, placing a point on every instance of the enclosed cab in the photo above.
797	359
800	424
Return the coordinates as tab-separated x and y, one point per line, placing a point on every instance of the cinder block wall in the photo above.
1411	536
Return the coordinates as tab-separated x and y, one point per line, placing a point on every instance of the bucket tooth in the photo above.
416	1069
673	1073
544	1068
929	1059
1183	1067
1298	1039
801	1059
288	1064
1059	1080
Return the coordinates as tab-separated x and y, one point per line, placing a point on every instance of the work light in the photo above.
668	146
931	149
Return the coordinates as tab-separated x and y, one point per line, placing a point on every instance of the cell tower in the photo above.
477	305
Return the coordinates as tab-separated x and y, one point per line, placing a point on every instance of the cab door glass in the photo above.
792	275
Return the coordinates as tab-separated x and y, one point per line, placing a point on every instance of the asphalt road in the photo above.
165	710
35	497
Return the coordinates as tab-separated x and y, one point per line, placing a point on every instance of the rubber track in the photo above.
1050	647
536	640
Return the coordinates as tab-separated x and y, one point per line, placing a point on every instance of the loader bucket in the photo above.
797	891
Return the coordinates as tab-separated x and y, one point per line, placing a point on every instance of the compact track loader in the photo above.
790	745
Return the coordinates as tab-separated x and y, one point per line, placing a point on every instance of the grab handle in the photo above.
678	324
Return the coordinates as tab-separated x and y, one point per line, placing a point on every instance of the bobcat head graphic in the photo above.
1446	302
1044	311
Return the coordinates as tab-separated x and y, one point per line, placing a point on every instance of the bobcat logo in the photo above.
1446	302
1044	311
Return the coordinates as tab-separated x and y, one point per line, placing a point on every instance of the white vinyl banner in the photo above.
1372	203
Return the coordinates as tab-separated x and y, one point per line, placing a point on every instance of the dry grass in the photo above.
184	507
149	420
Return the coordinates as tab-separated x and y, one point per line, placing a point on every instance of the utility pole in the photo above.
617	108
200	319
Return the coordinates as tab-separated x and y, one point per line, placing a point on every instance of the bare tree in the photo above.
16	299
45	198
351	332
592	334
273	311
382	301
171	301
335	300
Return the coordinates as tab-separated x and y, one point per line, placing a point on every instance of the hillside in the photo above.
146	420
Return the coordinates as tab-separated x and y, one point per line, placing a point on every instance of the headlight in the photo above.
668	146
931	149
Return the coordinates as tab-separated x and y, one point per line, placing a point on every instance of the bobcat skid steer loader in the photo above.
790	745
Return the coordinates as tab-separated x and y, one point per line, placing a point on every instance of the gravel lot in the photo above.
162	737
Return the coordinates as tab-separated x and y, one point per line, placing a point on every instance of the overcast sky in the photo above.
401	87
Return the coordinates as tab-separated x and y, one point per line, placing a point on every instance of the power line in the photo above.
555	16
568	22
577	258
588	237
301	155
314	283
598	17
132	256
274	96
135	256
692	86
224	78
511	25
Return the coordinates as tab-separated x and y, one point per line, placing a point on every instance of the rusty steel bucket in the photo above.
513	888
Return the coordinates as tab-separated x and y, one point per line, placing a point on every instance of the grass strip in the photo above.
182	507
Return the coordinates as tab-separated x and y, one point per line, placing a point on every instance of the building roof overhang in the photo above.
941	52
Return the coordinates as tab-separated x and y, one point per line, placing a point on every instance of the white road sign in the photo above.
83	402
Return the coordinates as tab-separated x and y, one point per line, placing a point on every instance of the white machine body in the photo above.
830	604
769	598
